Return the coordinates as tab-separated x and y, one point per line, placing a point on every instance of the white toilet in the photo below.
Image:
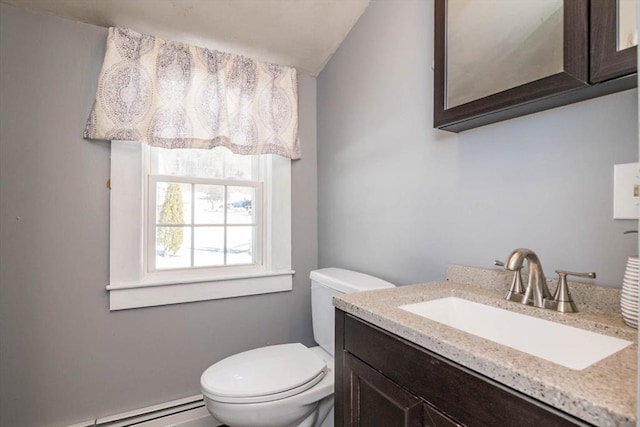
287	385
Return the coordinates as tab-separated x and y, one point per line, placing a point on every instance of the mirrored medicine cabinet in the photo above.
499	59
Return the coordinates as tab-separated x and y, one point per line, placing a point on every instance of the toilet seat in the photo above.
263	374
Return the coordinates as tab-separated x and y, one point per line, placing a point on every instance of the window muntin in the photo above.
203	223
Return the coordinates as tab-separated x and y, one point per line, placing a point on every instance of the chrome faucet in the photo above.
536	292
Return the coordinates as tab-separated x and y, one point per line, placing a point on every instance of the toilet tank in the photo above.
325	284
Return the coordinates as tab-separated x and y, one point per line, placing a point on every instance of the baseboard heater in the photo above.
186	411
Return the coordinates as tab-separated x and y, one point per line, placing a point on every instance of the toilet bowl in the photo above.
286	385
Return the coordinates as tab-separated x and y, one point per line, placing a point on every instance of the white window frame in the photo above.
132	286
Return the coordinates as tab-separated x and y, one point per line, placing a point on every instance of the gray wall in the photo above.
401	200
63	356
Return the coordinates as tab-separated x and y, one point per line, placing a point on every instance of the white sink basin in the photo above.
565	345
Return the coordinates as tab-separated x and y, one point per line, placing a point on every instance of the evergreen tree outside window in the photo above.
172	213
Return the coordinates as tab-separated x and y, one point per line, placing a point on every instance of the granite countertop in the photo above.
603	394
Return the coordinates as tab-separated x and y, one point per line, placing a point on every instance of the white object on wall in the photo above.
626	190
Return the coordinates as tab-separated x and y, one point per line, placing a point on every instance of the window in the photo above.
190	225
205	209
202	223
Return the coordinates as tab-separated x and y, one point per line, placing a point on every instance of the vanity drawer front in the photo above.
460	393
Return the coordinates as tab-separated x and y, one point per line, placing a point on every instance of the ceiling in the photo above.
298	33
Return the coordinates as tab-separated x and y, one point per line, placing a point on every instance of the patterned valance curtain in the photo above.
175	95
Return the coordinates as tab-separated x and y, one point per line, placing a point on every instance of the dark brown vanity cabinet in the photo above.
384	380
499	60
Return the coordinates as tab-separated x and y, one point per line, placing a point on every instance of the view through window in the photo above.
204	209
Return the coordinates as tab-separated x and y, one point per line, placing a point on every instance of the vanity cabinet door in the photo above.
614	39
494	56
373	400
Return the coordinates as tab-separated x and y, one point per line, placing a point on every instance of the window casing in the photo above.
252	256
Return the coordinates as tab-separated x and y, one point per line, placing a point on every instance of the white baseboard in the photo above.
187	412
199	417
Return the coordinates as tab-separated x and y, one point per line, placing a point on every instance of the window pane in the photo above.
218	162
240	245
209	204
237	166
240	202
173	247
208	246
173	203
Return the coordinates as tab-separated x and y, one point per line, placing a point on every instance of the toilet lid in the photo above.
269	372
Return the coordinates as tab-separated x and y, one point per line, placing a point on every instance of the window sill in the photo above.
124	296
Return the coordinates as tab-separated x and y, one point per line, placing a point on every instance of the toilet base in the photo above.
325	412
319	414
237	415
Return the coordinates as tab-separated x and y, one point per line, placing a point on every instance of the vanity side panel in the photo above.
339	363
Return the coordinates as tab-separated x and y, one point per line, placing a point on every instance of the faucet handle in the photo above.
516	290
562	295
591	275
